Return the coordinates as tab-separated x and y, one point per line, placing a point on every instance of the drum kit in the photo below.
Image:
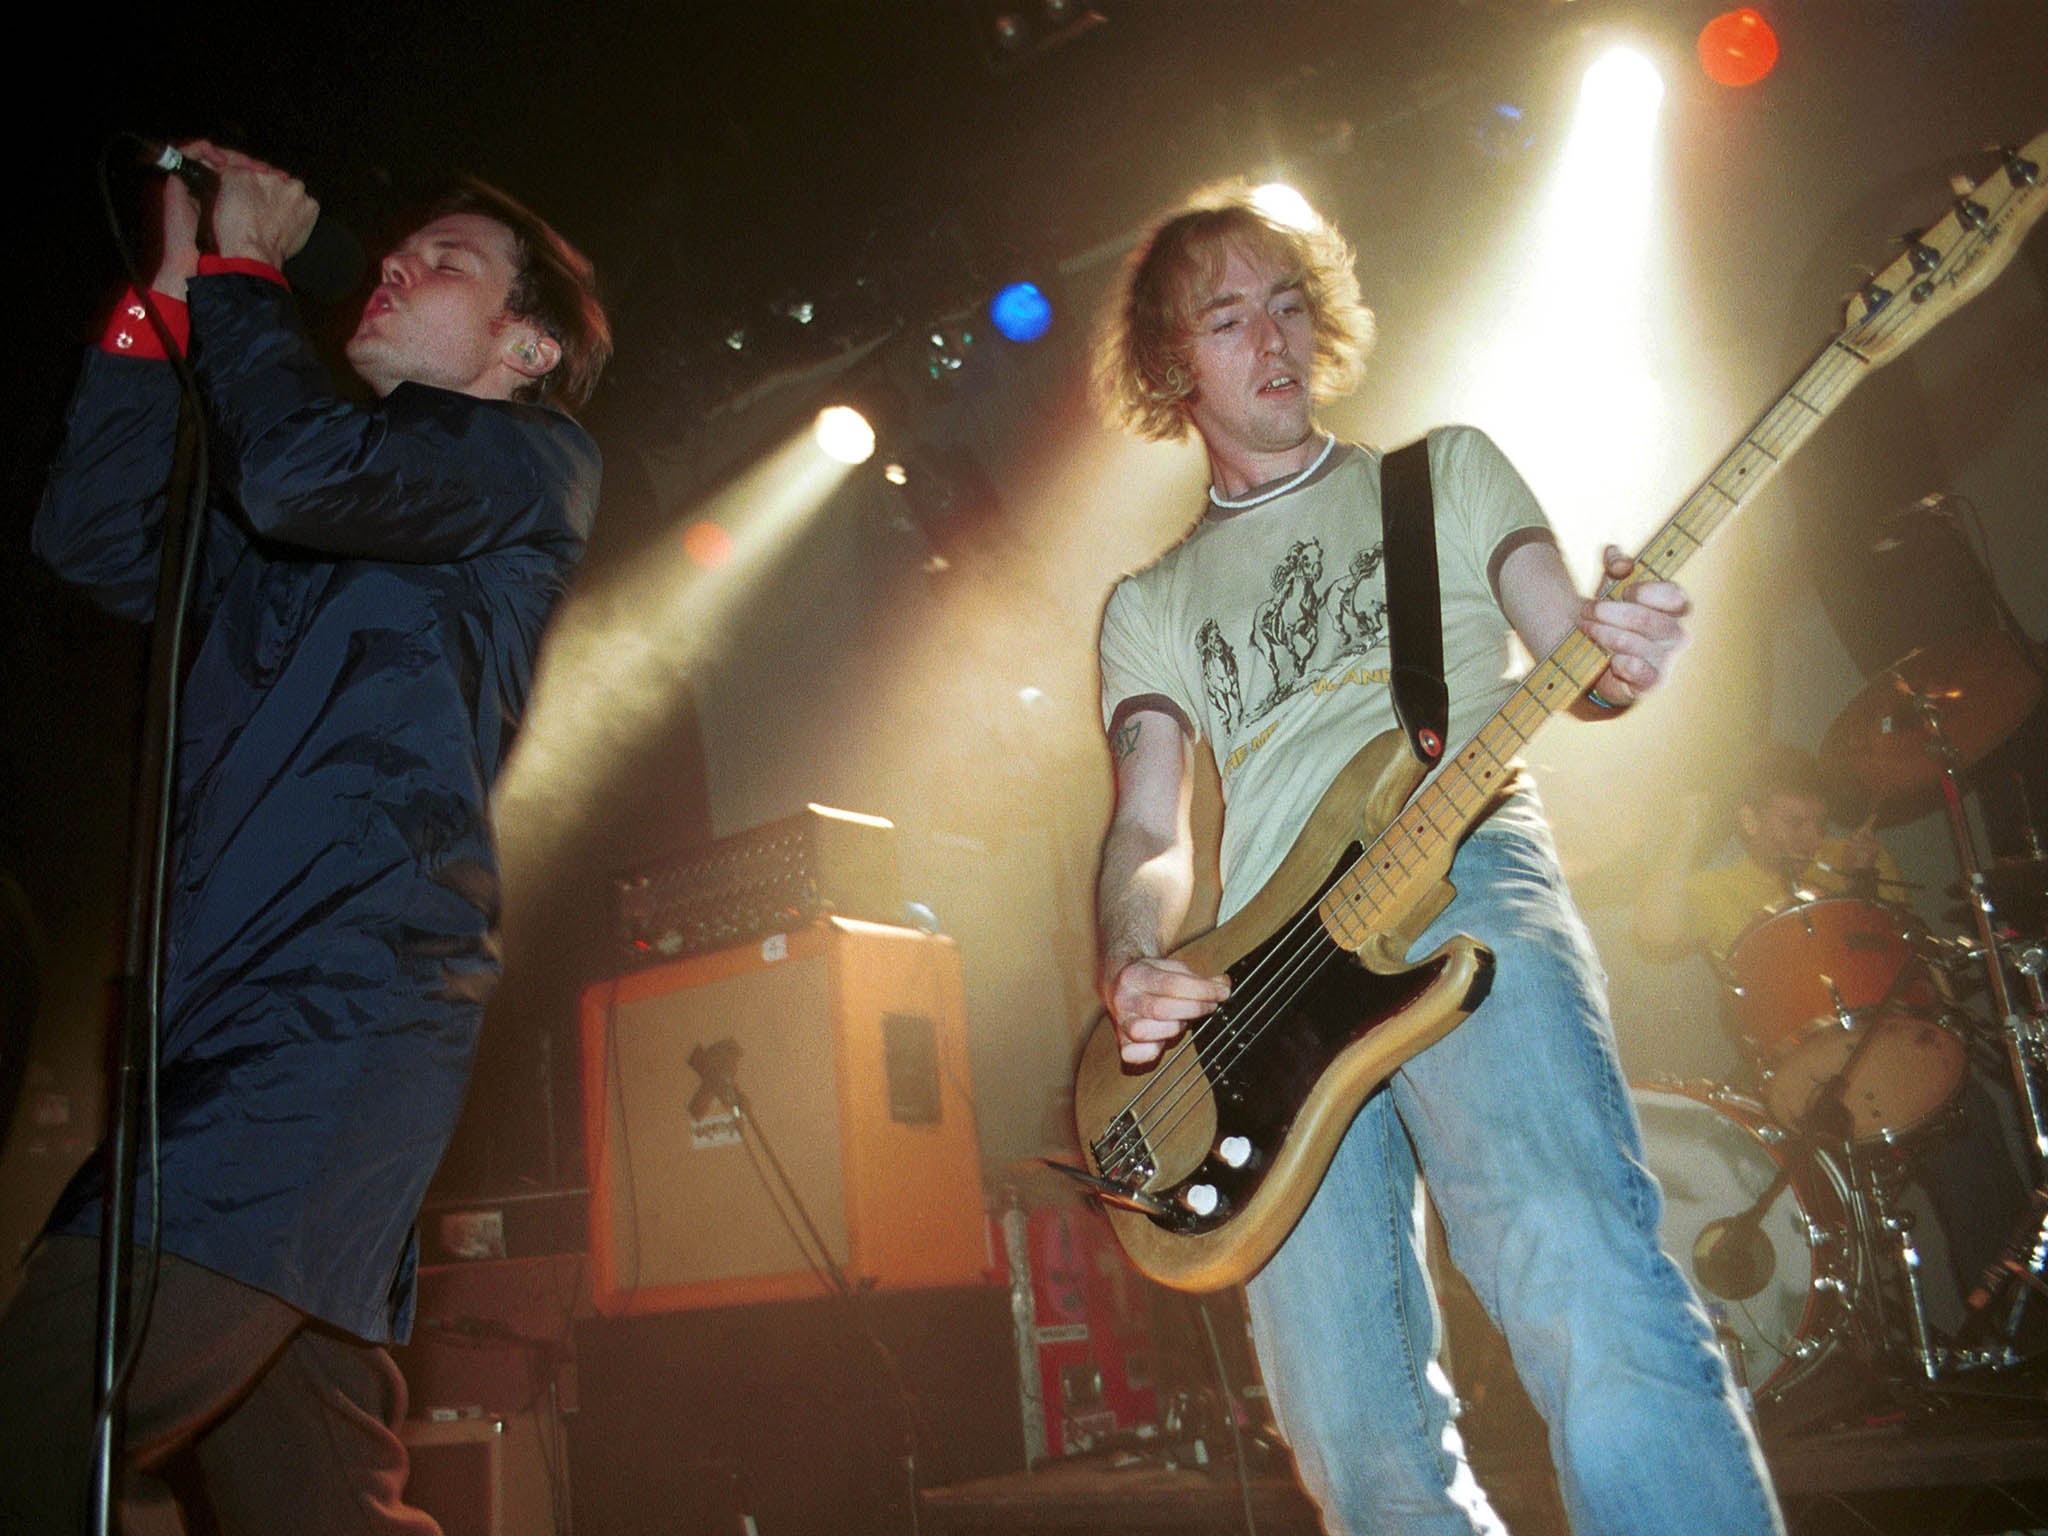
1788	1205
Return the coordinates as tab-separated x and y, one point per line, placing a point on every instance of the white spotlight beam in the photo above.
1572	342
619	654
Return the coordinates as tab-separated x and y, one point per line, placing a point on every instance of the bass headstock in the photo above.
1944	267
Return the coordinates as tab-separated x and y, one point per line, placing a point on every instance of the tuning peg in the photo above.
1972	214
1925	257
2019	170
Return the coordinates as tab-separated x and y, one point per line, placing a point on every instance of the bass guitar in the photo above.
1207	1157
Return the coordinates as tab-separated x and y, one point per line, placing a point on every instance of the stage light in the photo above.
895	473
708	545
1621	93
1014	32
1738	48
844	434
1503	131
1020	312
945	353
1285	206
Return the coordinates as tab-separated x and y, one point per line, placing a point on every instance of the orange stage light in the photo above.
1738	48
708	546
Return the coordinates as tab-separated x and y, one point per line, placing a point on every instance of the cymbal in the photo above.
1977	685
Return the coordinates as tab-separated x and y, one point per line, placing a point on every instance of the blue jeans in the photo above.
1521	1123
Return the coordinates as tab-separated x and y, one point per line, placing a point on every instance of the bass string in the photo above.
1209	1037
1210	1047
1196	1058
1188	1061
1176	1097
1310	935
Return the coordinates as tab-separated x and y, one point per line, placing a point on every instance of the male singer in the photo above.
373	583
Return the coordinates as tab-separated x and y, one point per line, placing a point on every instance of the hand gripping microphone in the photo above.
325	268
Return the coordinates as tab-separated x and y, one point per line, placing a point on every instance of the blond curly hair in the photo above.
1143	378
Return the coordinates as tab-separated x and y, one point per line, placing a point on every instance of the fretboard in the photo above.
1938	272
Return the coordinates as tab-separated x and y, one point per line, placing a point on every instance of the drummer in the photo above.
1781	820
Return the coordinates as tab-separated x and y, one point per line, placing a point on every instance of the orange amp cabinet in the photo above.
846	1043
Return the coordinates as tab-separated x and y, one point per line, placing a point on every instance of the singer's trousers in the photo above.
278	1422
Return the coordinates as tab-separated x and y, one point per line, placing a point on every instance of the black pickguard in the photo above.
1261	1084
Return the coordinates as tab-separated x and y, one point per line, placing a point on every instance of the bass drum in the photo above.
1714	1153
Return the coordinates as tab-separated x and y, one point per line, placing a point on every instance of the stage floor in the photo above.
1954	1465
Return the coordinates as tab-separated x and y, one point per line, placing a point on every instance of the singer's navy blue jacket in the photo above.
374	584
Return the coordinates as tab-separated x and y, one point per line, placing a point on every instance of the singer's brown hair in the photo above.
555	288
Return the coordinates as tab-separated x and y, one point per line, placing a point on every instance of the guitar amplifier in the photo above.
772	879
849	1042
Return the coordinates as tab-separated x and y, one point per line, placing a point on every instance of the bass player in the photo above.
1262	632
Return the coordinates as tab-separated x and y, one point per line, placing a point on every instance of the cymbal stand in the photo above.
2020	1270
1997	1304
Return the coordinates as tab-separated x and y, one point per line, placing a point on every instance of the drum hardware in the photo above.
2009	882
1878	1219
1997	1306
1930	715
1874	1216
2032	963
1731	1256
1872	1287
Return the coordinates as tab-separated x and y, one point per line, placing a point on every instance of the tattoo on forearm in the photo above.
1125	741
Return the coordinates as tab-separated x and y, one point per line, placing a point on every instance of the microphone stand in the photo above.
139	988
118	1331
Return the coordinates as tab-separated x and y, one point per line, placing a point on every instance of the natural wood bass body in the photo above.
1321	1013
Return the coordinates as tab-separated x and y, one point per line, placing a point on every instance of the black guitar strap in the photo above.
1415	619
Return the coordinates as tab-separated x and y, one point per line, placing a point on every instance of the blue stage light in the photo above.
1021	312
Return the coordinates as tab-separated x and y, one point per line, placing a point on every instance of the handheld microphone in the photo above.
169	160
324	269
